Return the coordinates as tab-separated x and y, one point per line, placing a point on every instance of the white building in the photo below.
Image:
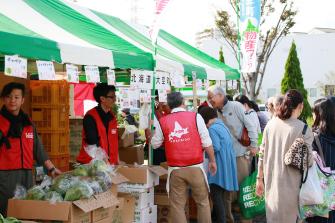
316	52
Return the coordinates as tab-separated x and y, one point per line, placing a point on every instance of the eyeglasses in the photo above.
111	97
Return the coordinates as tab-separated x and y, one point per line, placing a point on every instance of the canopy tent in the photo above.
61	31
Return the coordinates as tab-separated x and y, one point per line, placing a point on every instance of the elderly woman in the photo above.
324	128
273	104
281	183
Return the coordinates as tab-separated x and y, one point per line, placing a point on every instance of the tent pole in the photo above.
238	43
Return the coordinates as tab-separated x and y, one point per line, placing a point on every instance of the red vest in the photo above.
182	141
20	155
109	142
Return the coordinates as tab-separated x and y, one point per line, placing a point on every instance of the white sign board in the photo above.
46	70
145	96
141	79
72	73
162	95
129	98
92	74
177	81
16	66
162	81
111	77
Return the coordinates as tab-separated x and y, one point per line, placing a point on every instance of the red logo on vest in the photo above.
178	132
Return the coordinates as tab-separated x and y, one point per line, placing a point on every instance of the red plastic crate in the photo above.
50	118
56	143
50	92
61	162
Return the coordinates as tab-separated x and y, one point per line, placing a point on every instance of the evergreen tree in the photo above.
293	80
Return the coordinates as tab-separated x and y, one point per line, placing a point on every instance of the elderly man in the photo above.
233	115
185	136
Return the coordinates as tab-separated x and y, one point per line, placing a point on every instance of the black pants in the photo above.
218	213
159	156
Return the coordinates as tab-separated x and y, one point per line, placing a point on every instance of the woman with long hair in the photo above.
324	128
279	182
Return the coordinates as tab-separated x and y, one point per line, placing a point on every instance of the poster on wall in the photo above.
111	77
46	70
72	73
92	74
16	66
141	79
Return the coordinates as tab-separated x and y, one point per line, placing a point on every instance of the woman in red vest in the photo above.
19	145
100	125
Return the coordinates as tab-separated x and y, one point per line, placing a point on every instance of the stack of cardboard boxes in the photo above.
101	208
142	180
128	152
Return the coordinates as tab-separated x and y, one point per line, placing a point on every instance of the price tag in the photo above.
72	73
46	70
16	66
92	74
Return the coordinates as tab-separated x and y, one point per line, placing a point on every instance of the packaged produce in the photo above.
63	183
35	193
53	197
78	191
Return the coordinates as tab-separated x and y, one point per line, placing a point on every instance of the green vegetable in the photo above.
35	193
104	179
98	166
8	220
81	170
78	191
63	183
53	196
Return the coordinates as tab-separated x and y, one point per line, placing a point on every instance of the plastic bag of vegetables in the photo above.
35	193
53	197
81	170
79	191
97	166
20	192
104	179
63	183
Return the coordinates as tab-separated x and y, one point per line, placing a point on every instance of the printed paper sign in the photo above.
92	74
162	96
162	81
46	70
177	81
72	73
111	77
199	84
16	66
145	96
141	79
129	98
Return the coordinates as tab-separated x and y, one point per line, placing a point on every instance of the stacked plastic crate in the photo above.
50	114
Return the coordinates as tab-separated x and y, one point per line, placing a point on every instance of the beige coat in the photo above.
282	182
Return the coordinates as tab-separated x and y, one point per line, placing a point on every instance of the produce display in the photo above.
83	182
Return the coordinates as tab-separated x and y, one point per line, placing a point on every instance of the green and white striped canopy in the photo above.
64	32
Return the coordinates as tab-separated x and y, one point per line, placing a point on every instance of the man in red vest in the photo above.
19	145
185	137
100	125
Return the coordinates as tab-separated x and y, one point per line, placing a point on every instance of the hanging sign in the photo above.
145	96
111	77
162	81
177	81
16	66
92	74
46	70
141	79
162	95
129	98
199	84
72	73
250	14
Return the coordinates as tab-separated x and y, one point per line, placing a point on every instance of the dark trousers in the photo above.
159	156
218	213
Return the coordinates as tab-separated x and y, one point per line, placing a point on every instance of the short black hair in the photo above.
8	88
174	100
207	113
101	90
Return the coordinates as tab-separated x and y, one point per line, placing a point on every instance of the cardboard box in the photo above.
143	199
146	215
124	212
70	212
133	154
142	176
164	211
102	213
125	140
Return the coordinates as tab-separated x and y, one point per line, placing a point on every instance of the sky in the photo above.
184	18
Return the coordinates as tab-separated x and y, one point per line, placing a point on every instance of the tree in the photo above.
293	80
283	12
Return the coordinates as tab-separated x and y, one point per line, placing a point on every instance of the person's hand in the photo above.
212	167
55	172
259	187
253	150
